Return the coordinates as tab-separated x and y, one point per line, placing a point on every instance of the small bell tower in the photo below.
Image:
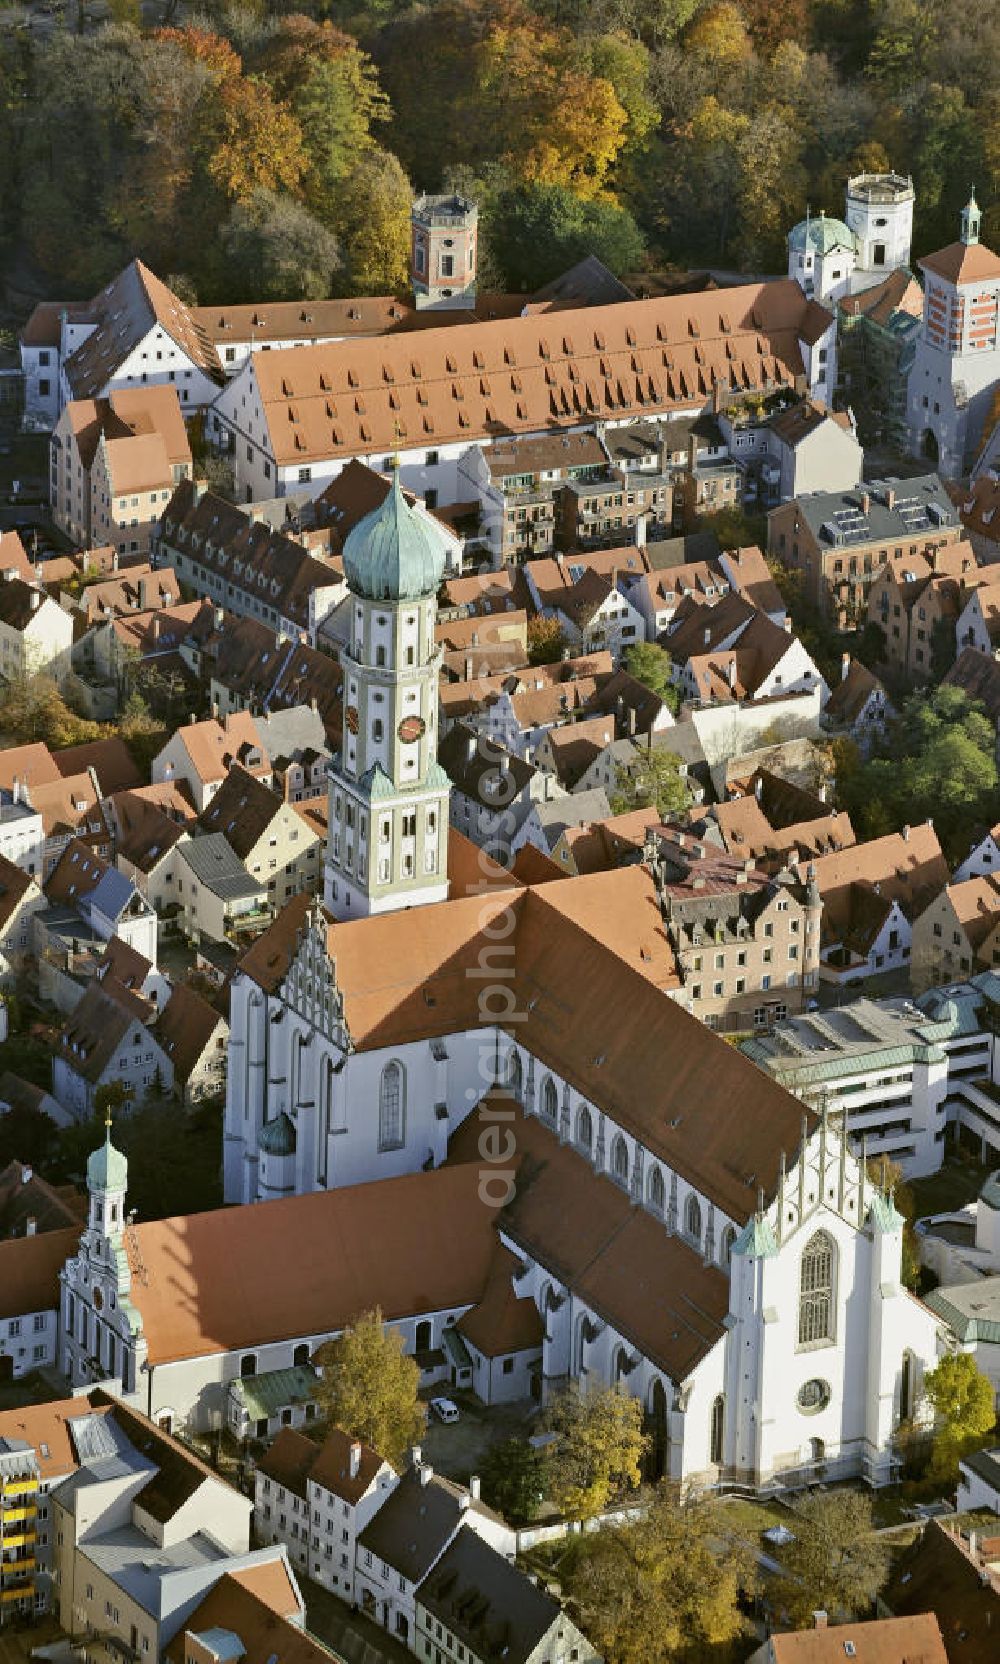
971	218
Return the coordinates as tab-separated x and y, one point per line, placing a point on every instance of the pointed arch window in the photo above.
391	1107
619	1160
515	1075
550	1099
717	1430
728	1239
692	1218
816	1278
656	1194
584	1129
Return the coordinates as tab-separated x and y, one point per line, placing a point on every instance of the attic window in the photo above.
387	374
415	370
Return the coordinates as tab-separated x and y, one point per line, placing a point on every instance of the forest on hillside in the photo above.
255	151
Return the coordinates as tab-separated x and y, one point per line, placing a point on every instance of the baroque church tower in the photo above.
387	844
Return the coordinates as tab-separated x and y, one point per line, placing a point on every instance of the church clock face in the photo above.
352	719
411	729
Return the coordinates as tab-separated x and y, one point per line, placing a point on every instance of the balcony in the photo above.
18	1516
23	1486
18	1539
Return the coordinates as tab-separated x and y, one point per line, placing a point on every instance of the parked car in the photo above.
444	1409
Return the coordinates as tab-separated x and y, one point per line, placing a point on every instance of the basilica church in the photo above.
664	1215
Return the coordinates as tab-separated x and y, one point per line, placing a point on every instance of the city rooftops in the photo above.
880	511
214	863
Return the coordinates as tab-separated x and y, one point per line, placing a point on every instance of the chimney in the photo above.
15	789
425	1473
845	666
30	1225
464	1502
143	595
468	669
906	834
866	502
355	1459
36	600
640	532
820	1620
471	744
890	497
708	635
732	672
632	721
27	1174
758	790
474	1487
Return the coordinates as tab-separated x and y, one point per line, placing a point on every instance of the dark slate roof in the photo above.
487	1603
213	862
921	508
416	1522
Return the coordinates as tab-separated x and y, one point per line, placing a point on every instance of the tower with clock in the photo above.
387	844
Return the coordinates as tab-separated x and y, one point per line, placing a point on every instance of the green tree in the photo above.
369	1386
597	1452
665	1589
538	230
513	1477
371	217
962	1399
652	665
653	779
276	249
546	641
836	1563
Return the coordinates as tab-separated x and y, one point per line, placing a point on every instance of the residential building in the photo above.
729	652
519	487
135	334
29	1299
978	675
879	1641
242	565
982	859
492	792
872	895
746	945
916	601
295	738
36	636
145	840
194	1037
217	899
894	1068
978	622
978	501
113	465
36	1454
262	1407
29	1204
858	704
979	1481
954	1577
407	1536
251	669
388	794
474	1599
427	398
201	754
142	1530
88	897
355	492
20	899
877	334
686	455
334	1488
274	843
838	540
971	1311
958	932
801	446
108	1038
70	809
956	365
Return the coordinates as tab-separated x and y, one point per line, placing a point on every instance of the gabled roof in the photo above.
29	1270
851	694
133	304
519	375
242	810
976	905
938	1574
482	770
26	1196
292	1459
213	747
978	675
494	1607
96	1027
416	1522
15	885
185	1027
110	759
907	867
915	1640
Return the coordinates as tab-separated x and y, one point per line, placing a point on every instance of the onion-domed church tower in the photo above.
387	844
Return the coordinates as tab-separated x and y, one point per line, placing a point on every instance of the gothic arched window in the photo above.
728	1238
515	1075
718	1425
550	1099
816	1290
391	1107
619	1160
692	1217
584	1129
655	1190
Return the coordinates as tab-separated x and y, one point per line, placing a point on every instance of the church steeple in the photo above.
388	818
107	1182
970	219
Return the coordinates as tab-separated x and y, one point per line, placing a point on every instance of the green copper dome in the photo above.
820	236
107	1168
393	554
